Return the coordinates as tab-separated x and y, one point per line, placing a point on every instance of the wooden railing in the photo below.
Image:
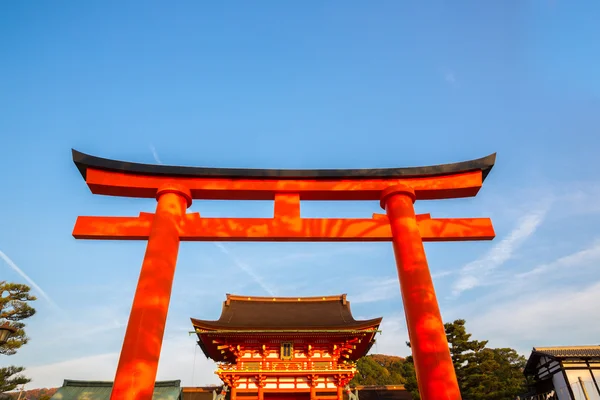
284	366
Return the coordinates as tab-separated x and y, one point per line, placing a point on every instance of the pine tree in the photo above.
410	378
11	378
482	373
14	308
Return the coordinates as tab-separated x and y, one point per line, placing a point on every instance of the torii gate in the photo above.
174	188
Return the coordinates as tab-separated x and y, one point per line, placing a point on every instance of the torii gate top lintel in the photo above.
119	178
85	161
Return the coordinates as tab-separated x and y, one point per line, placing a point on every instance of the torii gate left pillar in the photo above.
145	330
174	188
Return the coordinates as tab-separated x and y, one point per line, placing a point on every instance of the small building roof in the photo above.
560	353
249	313
569	351
201	392
100	390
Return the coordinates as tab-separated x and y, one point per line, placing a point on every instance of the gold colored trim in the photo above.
277	371
230	297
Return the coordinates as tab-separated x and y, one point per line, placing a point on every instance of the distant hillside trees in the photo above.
378	369
14	308
33	394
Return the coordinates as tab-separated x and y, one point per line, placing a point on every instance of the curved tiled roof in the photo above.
101	390
285	313
569	351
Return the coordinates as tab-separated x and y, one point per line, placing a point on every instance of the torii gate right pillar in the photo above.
433	364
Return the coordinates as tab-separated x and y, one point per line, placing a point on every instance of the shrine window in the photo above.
287	350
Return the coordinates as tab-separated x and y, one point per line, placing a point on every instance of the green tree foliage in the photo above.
410	378
11	378
14	308
378	369
483	373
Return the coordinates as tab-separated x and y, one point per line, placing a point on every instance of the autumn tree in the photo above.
482	373
14	308
32	394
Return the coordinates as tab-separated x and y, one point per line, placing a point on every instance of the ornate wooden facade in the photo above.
284	347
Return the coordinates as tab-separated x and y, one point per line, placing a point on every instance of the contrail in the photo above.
246	268
155	154
27	278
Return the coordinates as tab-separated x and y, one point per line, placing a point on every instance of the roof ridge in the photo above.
84	383
234	297
585	346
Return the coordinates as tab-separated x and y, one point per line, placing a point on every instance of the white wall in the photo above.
560	386
585	375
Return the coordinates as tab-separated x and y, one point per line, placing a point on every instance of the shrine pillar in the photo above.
313	381
233	393
260	382
436	377
340	392
136	371
340	382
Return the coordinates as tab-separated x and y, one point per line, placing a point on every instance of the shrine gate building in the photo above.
276	348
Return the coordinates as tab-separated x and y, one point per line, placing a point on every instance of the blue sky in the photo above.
301	85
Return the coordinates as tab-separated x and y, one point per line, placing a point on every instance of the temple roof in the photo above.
248	313
85	161
101	390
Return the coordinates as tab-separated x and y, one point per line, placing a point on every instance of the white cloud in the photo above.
182	358
179	360
376	290
441	274
581	198
579	258
546	316
472	274
393	337
83	330
100	367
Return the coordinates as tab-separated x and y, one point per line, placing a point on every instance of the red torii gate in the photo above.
175	187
